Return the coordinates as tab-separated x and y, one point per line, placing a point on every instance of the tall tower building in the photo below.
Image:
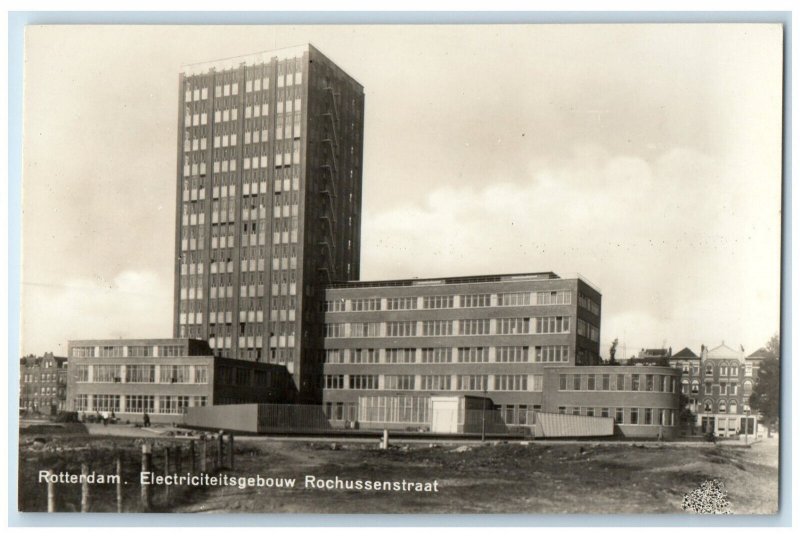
269	197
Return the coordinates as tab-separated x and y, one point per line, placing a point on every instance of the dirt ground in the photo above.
589	477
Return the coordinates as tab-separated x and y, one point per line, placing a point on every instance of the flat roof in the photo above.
512	277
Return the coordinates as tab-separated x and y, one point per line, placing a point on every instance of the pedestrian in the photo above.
105	418
146	420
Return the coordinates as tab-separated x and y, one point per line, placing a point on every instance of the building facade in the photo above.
42	384
163	378
718	384
402	342
269	197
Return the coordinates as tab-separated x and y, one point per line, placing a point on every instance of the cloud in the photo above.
675	242
133	304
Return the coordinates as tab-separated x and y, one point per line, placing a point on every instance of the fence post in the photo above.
230	451
84	487
166	472
385	442
220	450
51	492
192	464
119	483
203	455
178	465
147	462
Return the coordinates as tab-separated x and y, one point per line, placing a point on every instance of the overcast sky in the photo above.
644	157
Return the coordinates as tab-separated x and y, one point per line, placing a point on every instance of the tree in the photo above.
766	395
612	352
773	346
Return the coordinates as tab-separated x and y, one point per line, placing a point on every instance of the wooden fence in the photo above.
126	473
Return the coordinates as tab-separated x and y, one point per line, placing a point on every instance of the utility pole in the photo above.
483	417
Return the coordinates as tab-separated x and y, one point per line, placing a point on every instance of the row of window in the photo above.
711	368
464	327
135	403
432	355
473	382
428	302
128	351
722	406
718	389
626	415
618	382
43	378
141	373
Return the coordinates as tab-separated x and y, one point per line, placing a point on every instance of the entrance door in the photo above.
708	424
444	415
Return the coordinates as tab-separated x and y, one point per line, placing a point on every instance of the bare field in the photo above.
493	478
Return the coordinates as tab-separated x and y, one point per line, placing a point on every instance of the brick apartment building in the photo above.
42	383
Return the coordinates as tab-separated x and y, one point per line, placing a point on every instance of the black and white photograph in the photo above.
401	269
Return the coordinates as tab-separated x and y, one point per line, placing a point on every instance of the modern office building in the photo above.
718	384
393	345
164	377
269	204
42	383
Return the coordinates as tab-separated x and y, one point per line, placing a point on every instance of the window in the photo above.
401	303
606	382
334	330
140	373
473	382
649	386
106	402
371	329
723	406
200	401
140	351
399	382
562	382
174	373
511	382
590	382
437	301
634	416
619	415
110	351
107	373
477	300
336	305
648	416
551	354
365	305
695	387
334	356
401	328
709	369
364	382
201	374
513	299
435	382
400	355
139	404
473	326
576	382
473	354
437	354
513	325
635	381
589	304
334	381
82	373
81	352
364	356
512	354
437	328
551	324
81	402
170	351
554	297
